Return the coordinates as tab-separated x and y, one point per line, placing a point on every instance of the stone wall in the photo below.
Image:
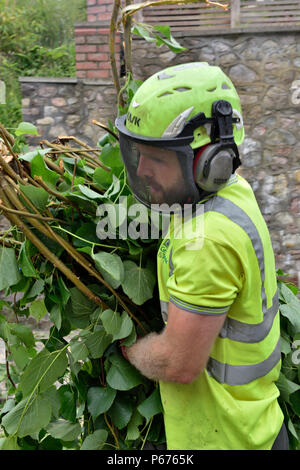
265	68
60	107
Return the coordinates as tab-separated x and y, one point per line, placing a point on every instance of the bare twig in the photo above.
112	37
127	41
103	126
7	368
49	255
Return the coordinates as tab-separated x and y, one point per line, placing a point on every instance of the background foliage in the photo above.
36	39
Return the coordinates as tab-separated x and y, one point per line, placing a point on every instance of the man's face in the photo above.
160	171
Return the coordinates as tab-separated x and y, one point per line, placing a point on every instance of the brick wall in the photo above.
98	10
92	50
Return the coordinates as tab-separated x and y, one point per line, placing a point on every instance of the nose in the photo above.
145	168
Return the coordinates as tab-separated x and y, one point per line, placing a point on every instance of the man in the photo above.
218	357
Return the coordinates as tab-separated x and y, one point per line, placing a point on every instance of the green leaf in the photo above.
102	178
295	402
111	268
9	271
170	42
10	443
285	345
82	308
52	396
95	441
26	263
28	417
111	156
138	282
26	128
121	411
67	397
122	375
29	156
20	355
55	316
64	430
38	196
87	232
38	309
89	193
286	387
64	291
164	29
43	371
292	429
79	350
144	31
23	332
39	168
36	289
97	342
100	399
133	426
116	325
151	406
131	339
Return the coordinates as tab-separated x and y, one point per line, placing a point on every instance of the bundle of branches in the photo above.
56	254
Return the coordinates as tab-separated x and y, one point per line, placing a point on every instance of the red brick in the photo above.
96	10
81	74
79	39
105	2
85	31
99	39
103	48
91	2
91	18
105	65
98	74
98	57
80	57
103	30
86	65
86	48
103	16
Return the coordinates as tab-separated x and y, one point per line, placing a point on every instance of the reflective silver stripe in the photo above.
242	374
164	309
171	263
237	215
233	329
202	310
249	333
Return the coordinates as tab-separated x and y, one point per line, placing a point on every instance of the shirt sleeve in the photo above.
206	276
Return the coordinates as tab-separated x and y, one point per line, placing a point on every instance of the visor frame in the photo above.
179	140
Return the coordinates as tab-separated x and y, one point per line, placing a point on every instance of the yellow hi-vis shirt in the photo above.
225	266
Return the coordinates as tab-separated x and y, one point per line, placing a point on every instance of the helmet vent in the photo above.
165	94
212	89
163	76
182	89
225	86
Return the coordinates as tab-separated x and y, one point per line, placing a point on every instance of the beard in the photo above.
158	194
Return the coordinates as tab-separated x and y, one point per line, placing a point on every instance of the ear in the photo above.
197	155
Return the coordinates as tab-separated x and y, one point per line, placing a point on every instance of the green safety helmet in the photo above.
175	112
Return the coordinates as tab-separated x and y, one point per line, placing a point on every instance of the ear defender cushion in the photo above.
213	166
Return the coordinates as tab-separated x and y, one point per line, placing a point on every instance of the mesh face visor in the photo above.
159	172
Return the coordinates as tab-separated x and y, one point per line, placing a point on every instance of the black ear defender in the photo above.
220	159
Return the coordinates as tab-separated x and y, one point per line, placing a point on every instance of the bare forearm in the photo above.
150	357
